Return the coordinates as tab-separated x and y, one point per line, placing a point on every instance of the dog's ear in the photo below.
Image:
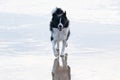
54	14
64	14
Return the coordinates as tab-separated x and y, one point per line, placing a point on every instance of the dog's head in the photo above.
59	19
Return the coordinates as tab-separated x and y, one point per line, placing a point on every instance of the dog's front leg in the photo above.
57	47
63	47
54	49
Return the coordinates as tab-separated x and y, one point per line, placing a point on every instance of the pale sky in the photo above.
100	11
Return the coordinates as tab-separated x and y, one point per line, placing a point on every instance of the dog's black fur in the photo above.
55	21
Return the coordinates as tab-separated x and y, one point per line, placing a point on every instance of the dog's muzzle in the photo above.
60	27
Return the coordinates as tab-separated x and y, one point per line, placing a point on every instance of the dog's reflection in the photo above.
61	72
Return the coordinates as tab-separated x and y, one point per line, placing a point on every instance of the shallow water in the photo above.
26	52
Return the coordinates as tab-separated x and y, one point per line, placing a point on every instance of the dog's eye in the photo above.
56	21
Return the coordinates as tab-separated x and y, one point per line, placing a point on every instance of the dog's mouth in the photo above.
60	26
60	29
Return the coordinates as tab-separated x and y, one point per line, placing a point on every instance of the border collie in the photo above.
60	32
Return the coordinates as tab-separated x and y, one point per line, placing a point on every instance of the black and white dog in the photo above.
59	27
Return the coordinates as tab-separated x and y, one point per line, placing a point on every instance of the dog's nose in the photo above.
60	26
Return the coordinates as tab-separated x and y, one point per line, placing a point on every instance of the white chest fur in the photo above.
60	35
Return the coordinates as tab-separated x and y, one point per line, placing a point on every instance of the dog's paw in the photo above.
57	51
61	55
66	54
56	54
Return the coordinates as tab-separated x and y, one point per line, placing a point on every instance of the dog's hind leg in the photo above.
67	38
